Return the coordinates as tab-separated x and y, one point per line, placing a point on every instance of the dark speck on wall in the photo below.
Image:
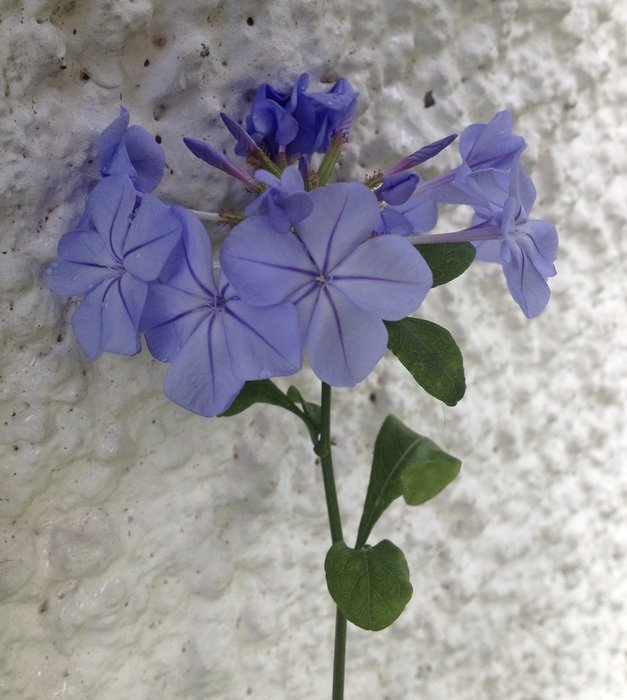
429	99
250	21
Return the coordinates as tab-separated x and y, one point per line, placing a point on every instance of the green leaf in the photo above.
447	260
262	391
370	585
311	410
404	464
431	355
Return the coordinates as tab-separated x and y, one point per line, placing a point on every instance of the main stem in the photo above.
335	523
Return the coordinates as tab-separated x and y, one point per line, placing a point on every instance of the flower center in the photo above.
323	279
218	305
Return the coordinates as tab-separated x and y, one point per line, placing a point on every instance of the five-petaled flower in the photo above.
112	264
342	281
526	248
213	339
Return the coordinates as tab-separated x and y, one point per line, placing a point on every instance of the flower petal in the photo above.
87	321
385	276
392	222
122	307
263	342
200	378
190	267
343	216
265	267
545	239
488	251
169	318
84	262
69	279
343	343
526	285
108	317
491	145
151	238
110	205
146	157
397	188
421	211
107	144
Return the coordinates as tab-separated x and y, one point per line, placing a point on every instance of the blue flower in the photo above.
342	280
213	339
285	201
130	151
526	248
296	122
491	145
112	264
482	147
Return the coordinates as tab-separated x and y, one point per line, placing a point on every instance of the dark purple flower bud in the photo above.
421	155
397	188
218	160
304	167
245	143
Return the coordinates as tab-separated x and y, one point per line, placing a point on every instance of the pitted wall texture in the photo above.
148	553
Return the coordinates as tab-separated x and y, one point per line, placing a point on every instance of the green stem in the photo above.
324	450
335	523
339	656
330	158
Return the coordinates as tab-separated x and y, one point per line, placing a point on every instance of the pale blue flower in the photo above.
343	281
130	151
213	340
112	264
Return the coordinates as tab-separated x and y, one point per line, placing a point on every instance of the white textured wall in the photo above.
148	553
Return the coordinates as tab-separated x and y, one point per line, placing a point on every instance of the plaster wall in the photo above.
149	553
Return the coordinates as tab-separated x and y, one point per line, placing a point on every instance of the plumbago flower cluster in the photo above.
330	271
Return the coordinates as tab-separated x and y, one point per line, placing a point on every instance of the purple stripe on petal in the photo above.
385	276
343	342
200	378
263	266
70	279
264	341
343	216
151	238
110	205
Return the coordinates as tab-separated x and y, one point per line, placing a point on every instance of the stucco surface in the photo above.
149	553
